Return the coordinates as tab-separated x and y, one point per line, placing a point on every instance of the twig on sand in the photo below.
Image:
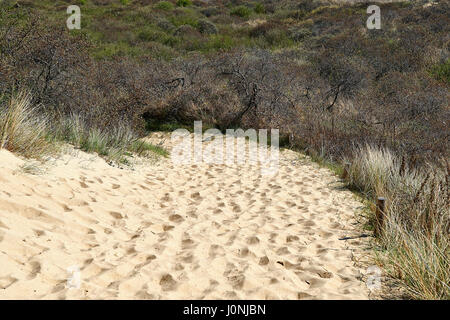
355	237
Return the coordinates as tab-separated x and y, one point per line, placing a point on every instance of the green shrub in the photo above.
164	5
241	11
184	19
271	34
220	42
150	35
259	8
289	14
442	71
170	40
278	38
117	49
184	3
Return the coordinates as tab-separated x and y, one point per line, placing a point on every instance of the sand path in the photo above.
162	231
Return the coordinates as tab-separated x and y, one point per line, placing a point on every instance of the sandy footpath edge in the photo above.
164	231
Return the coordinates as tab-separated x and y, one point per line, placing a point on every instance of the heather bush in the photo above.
207	27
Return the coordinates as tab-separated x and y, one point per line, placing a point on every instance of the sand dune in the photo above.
163	231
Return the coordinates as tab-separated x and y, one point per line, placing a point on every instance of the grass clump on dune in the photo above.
114	145
25	131
142	148
415	238
22	129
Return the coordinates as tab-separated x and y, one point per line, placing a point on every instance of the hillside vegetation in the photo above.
376	98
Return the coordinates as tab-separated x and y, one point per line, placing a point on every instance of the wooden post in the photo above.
346	171
379	215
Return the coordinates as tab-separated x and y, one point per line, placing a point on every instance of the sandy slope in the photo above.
168	232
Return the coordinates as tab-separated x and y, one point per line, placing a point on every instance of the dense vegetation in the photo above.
377	98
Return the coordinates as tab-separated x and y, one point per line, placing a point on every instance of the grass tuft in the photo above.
22	129
416	227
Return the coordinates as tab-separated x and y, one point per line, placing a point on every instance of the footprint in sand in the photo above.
176	218
35	269
116	215
167	283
